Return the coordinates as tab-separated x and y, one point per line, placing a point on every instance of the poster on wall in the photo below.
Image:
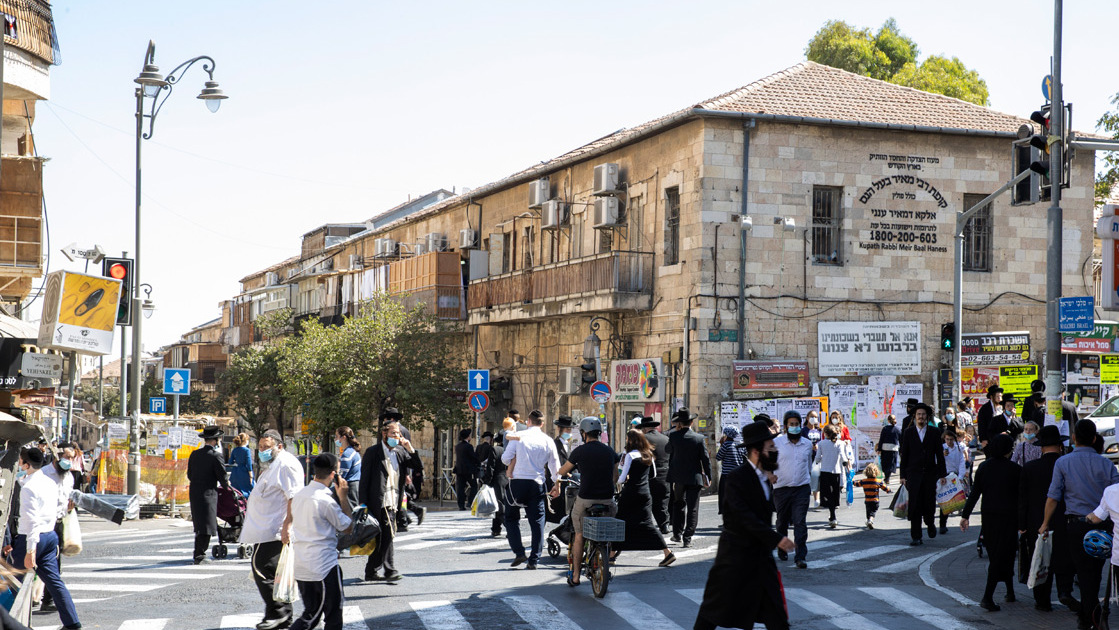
638	380
760	377
994	348
1014	379
865	407
857	348
741	412
1082	369
1101	339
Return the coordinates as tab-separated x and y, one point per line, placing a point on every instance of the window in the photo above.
528	245
977	236
507	253
209	375
605	241
827	217
672	225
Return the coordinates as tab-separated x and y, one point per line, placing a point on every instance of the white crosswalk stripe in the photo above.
862	554
144	624
538	613
909	604
836	614
440	615
637	613
905	566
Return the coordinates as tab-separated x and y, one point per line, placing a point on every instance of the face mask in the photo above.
266	456
769	461
1030	437
338	443
392	442
794	430
566	435
950	417
64	464
21	473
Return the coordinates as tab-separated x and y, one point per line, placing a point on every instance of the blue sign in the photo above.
478	402
1077	314
157	405
176	381
1047	87
477	380
600	392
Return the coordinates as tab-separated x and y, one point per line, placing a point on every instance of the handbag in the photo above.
71	534
365	528
24	602
950	494
283	587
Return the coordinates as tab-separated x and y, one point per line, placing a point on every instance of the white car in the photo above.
1105	417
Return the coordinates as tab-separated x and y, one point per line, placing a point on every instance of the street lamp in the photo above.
152	93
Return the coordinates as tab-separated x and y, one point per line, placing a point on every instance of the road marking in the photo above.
538	613
918	608
904	566
927	577
134	539
435	543
702	551
118	588
352	619
636	612
427	534
694	594
240	622
145	566
87	601
150	575
836	614
440	615
858	555
109	532
172	541
144	624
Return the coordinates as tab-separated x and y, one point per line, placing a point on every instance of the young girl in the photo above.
871	485
833	455
955	461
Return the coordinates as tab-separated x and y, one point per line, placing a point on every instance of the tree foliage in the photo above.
1107	182
889	55
251	386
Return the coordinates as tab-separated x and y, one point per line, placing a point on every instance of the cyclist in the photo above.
596	463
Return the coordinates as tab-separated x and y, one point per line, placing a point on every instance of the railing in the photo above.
444	302
34	28
613	272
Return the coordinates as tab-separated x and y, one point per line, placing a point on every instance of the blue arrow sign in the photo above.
1047	87
157	405
478	402
477	380
176	381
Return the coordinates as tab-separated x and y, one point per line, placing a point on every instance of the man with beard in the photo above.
910	407
735	598
922	465
987	413
790	491
658	484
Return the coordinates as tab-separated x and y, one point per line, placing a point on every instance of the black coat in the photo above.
906	421
659	441
205	471
890	435
920	459
983	421
688	461
466	460
375	474
561	450
744	585
1033	490
996	481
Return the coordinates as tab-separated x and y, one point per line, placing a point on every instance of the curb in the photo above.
925	571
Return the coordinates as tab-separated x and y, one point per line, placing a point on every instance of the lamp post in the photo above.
151	93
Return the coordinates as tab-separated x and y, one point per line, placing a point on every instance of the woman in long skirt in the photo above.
635	505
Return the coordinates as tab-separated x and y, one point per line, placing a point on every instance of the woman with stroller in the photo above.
635	503
241	463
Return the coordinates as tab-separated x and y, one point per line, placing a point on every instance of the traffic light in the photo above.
590	373
948	336
121	269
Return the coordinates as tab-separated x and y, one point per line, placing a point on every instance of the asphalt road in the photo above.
138	577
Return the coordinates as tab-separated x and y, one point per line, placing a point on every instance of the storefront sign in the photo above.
638	380
769	376
854	348
997	348
79	312
1109	369
1101	339
24	365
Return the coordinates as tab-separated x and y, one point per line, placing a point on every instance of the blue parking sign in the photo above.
157	405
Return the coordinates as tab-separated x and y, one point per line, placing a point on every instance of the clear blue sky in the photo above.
339	110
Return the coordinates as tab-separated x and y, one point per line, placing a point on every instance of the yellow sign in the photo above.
79	312
1109	368
1016	379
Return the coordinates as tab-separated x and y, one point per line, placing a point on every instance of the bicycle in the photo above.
599	530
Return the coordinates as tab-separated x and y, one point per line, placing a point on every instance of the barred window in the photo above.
672	225
977	236
827	217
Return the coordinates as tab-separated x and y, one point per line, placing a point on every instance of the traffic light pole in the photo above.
1055	224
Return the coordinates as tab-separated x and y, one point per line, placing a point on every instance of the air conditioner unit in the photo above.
436	242
570	380
384	247
538	192
606	179
467	239
555	214
606	212
356	262
420	248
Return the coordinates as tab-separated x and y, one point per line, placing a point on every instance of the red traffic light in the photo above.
118	271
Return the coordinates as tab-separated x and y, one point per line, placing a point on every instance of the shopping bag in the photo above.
284	587
1039	564
901	503
850	487
24	603
366	549
950	494
71	534
485	502
364	529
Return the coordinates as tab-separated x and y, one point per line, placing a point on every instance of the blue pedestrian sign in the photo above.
477	380
478	402
1076	314
176	381
157	405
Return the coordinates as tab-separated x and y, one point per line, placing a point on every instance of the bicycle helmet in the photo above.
590	423
1097	543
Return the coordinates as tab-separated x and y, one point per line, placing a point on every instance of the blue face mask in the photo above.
567	435
21	473
338	442
64	464
266	456
392	442
794	430
1030	437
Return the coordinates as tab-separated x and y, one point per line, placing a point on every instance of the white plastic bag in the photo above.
950	494
284	589
1039	566
71	544
485	502
25	602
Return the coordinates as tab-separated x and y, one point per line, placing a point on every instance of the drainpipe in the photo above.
747	125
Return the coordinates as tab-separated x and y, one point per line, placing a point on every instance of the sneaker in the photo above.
870	523
832	524
274	624
372	577
395	576
675	538
816	503
519	560
420	516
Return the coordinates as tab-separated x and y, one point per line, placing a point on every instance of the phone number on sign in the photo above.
902	237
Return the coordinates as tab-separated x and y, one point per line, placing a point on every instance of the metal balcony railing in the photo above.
610	272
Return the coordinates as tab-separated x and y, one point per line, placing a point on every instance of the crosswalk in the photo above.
830	608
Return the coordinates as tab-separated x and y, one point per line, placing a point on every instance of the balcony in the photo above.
612	281
30	50
444	302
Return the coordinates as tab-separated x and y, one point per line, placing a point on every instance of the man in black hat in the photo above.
658	484
922	465
734	598
564	446
466	470
689	472
1036	478
987	412
205	471
910	407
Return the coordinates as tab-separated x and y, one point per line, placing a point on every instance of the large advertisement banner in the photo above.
769	376
79	312
996	348
859	348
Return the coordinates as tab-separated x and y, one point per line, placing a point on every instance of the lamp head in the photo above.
213	96
150	80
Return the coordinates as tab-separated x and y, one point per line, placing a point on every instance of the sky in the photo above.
340	110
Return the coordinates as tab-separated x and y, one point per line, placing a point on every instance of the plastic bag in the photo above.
365	528
1039	566
901	503
71	535
950	494
366	549
850	487
25	602
284	588
485	502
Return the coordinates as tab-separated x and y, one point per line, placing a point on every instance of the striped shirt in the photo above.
730	455
870	489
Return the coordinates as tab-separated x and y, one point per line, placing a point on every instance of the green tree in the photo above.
1108	179
251	387
87	393
891	56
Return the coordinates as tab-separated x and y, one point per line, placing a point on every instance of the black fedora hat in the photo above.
212	432
392	413
649	421
994	389
1050	435
755	433
912	402
564	422
683	415
1009	399
999	446
928	410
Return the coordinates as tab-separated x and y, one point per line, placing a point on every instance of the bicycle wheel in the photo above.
600	569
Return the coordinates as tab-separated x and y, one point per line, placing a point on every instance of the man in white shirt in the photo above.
316	518
36	545
534	452
264	520
59	471
791	491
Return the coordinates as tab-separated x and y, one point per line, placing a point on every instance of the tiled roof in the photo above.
274	267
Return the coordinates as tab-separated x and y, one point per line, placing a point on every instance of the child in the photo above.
833	455
955	461
871	485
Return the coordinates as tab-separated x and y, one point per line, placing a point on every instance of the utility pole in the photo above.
1055	222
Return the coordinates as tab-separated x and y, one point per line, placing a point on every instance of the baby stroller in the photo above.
231	516
562	533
